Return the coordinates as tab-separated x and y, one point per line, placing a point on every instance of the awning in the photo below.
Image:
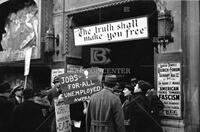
2	1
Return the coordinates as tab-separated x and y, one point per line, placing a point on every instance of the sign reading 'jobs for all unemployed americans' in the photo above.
81	85
169	88
130	29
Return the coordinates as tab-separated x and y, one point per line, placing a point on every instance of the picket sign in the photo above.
62	113
80	86
28	54
76	87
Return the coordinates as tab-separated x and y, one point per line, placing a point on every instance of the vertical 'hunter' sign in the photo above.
136	28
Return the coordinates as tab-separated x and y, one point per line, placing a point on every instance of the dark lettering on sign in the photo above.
169	88
61	110
174	69
164	75
169	97
114	35
83	32
164	70
171	112
63	125
175	107
175	83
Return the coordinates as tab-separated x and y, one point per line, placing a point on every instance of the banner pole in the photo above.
25	81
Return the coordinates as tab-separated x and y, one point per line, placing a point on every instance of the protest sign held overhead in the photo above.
81	85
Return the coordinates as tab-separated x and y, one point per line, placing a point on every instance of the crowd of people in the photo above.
129	107
118	107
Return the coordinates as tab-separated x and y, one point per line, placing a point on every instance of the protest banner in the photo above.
81	85
62	113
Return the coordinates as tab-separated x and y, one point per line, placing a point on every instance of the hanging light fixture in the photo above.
165	28
50	41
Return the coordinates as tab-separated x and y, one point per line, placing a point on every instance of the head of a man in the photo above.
133	81
5	89
128	90
56	82
142	86
28	93
17	91
110	80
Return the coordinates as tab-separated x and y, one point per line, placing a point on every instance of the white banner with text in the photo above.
130	29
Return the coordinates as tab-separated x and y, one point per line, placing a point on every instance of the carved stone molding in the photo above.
66	34
161	5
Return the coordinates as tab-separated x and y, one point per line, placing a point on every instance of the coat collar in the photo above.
109	89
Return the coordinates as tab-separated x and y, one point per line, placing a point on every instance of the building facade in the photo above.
154	40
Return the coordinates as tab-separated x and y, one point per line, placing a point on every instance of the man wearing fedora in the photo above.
16	95
104	113
55	91
52	93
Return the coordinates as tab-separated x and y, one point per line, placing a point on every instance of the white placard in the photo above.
130	29
62	116
169	88
73	68
56	72
28	54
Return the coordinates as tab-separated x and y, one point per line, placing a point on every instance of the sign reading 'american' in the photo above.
131	29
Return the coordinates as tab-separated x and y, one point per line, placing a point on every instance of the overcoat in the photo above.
139	112
127	114
27	117
5	114
105	113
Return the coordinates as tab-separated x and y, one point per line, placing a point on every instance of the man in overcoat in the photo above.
5	107
104	112
28	116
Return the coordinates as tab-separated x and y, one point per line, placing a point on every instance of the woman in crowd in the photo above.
137	108
128	94
156	107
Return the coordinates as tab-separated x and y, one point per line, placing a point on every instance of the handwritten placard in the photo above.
81	85
62	113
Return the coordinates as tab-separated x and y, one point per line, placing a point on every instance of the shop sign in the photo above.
169	88
73	68
130	29
99	56
62	113
80	86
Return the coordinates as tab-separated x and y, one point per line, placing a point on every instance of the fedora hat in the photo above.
16	88
4	87
129	87
144	86
56	79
